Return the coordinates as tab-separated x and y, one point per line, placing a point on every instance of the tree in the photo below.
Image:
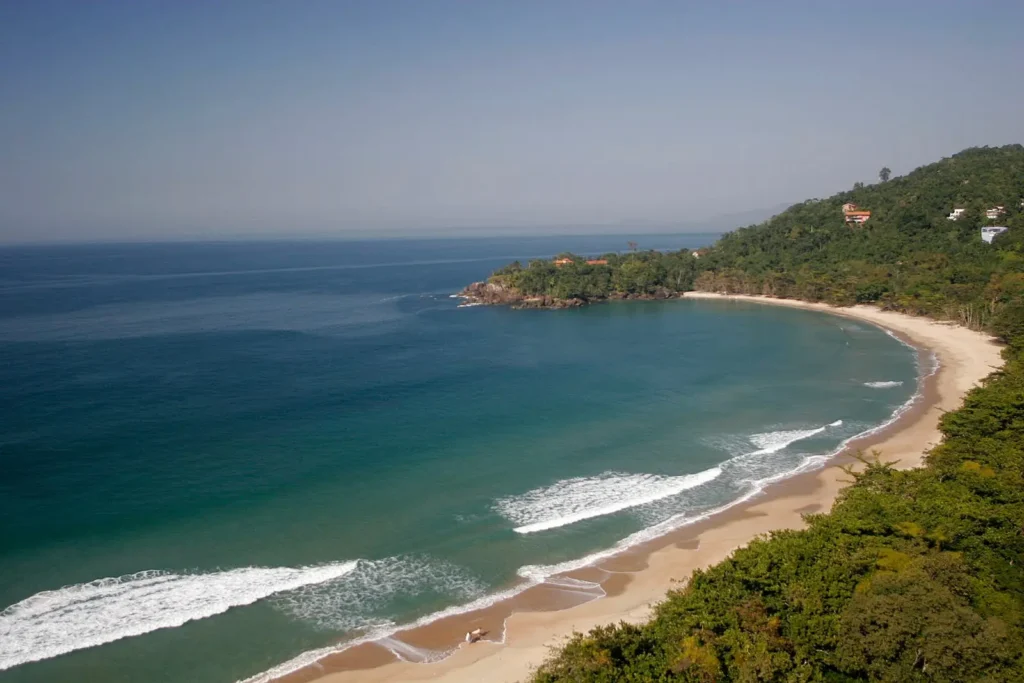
914	575
884	174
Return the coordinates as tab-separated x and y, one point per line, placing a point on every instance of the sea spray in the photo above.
534	575
573	500
357	600
84	615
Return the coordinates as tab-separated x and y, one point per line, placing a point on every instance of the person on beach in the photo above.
474	635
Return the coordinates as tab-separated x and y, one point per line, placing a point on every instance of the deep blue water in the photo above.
215	457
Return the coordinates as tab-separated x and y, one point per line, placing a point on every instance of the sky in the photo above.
148	120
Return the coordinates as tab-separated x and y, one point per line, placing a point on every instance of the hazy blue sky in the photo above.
168	119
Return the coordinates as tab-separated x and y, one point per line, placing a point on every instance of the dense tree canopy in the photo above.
914	575
908	256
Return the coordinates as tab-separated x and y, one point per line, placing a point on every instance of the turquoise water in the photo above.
216	457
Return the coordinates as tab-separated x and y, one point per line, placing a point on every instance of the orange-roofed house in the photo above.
848	207
597	262
562	261
858	217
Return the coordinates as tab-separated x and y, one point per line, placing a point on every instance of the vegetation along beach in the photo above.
381	341
897	560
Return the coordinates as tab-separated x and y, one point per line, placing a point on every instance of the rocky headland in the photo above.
497	294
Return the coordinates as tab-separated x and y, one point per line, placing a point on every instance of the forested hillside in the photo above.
908	256
914	575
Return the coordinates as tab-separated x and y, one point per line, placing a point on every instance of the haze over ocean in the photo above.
319	436
228	437
159	121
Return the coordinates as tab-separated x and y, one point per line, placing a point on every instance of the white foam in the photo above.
773	442
386	631
536	574
552	573
883	385
549	572
85	615
410	653
573	500
574	585
356	600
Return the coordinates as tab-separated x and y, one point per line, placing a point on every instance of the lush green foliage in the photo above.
915	575
641	273
908	256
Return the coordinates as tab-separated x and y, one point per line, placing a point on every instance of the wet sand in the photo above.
521	630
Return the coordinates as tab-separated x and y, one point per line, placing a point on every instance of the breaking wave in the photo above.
883	385
544	504
773	442
375	587
573	500
84	615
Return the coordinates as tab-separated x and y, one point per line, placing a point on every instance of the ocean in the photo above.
215	457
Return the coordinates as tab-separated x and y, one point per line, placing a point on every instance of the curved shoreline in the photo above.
523	626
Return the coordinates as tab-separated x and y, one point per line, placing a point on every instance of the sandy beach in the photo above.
521	630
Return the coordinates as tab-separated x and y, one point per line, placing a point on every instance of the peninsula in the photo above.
923	244
906	564
916	574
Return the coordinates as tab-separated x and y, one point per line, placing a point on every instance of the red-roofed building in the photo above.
858	217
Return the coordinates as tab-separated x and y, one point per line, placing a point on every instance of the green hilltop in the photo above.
908	256
914	575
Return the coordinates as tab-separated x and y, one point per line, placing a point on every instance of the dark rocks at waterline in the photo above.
495	294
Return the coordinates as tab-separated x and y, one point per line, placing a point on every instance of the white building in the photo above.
989	234
995	213
956	214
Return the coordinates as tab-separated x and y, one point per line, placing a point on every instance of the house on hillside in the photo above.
988	234
858	217
995	212
562	262
597	262
955	214
854	214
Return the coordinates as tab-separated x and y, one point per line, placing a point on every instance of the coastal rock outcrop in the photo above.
495	294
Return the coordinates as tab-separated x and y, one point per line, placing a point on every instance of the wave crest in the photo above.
84	615
573	500
374	588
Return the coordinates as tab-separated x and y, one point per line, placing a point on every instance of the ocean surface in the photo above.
217	457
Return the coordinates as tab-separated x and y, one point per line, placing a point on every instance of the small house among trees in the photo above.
854	214
989	233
